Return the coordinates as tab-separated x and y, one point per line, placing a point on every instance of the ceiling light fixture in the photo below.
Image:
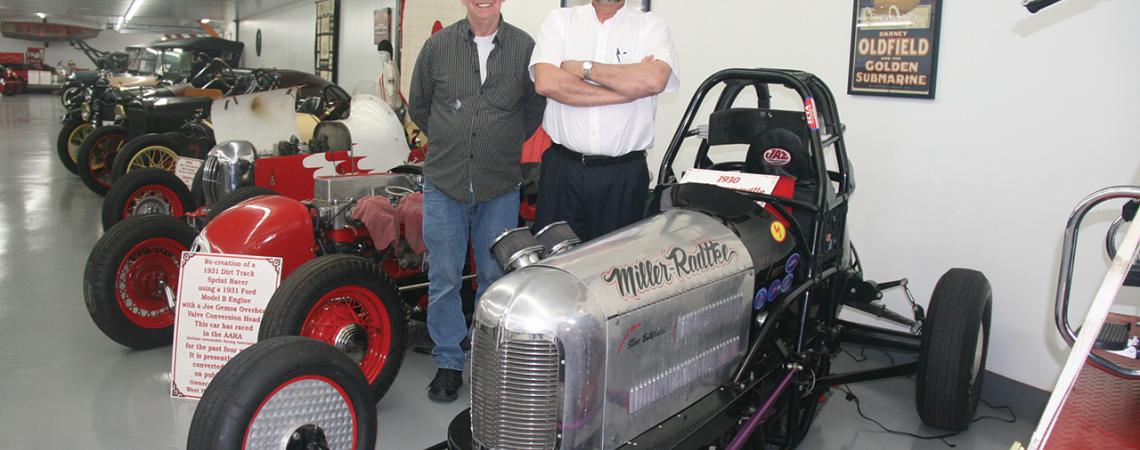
204	21
131	10
41	15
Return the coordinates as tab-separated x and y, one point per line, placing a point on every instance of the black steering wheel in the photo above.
218	73
335	103
263	80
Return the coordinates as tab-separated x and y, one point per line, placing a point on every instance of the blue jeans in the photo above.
448	225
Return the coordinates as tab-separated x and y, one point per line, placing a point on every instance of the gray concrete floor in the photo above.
63	385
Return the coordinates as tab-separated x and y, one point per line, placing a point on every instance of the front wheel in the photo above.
955	341
70	137
148	191
285	392
345	301
149	151
127	275
96	155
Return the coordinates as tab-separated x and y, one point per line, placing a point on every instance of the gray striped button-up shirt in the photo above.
475	129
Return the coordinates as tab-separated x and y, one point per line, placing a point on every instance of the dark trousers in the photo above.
595	195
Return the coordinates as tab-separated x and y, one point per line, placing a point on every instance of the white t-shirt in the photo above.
485	45
576	34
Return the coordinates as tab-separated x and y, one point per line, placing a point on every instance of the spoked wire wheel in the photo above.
96	155
347	302
154	156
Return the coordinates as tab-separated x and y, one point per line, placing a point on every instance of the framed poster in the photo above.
894	48
328	19
565	3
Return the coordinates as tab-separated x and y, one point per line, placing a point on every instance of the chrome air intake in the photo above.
557	237
515	249
228	166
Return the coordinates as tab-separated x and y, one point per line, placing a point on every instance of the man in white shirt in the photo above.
601	67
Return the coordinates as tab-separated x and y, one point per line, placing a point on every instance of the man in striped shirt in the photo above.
472	95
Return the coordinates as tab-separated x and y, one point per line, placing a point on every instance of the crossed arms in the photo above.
615	83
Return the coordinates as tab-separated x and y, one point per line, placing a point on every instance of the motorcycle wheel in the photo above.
96	155
123	283
149	151
147	191
345	301
955	341
70	137
286	392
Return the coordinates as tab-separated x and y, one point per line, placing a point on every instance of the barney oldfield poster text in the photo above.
894	47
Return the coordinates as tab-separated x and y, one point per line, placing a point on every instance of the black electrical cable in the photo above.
849	395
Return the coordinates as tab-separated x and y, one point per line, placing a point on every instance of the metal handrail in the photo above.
1068	255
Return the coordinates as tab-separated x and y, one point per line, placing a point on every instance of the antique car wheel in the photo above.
285	392
96	154
71	136
148	191
955	341
344	300
239	195
127	275
155	150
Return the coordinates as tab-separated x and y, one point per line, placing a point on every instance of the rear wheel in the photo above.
955	341
71	136
286	392
96	154
127	275
149	151
150	191
345	301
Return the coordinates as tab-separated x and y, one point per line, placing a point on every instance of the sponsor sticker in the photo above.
774	289
792	262
786	284
760	300
777	157
779	233
809	113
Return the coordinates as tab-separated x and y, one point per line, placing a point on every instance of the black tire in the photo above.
196	187
150	244
950	366
148	191
239	195
164	147
96	155
335	284
252	382
66	134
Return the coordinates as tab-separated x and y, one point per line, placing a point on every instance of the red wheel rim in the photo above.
154	193
353	311
138	290
103	150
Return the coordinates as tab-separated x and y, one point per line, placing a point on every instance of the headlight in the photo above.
86	111
202	244
228	166
120	112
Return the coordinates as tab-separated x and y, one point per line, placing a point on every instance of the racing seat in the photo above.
779	151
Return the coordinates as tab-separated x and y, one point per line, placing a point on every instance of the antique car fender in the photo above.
269	225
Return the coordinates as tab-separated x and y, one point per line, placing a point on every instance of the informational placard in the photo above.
185	168
894	48
220	302
748	182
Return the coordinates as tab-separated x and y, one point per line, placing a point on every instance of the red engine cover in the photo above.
265	226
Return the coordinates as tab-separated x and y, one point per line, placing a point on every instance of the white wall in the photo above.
61	51
287	37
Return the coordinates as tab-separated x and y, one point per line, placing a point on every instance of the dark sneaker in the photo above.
445	387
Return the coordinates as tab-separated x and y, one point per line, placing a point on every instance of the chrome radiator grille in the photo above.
515	395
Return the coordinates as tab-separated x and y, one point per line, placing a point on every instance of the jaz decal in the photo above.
677	263
631	340
777	157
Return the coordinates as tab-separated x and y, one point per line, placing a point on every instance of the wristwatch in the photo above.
586	67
